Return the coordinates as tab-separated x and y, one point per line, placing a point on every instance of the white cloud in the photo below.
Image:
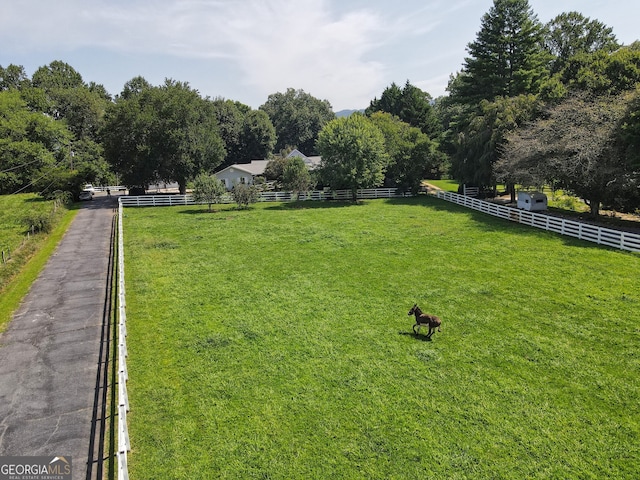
298	44
275	43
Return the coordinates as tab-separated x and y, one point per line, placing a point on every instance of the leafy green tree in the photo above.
13	76
298	118
412	155
247	134
602	72
34	148
507	59
208	189
274	170
296	177
574	147
409	104
57	75
187	141
244	194
353	154
166	133
570	34
258	136
480	143
230	125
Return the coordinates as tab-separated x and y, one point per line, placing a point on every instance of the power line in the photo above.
39	178
20	166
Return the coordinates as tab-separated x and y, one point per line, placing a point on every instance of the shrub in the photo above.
38	221
244	195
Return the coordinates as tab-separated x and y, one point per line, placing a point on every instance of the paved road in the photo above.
51	359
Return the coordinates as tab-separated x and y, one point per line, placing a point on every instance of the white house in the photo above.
247	172
241	173
310	162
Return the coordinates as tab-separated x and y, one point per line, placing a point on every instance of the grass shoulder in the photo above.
27	256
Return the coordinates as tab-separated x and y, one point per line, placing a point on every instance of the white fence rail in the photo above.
583	231
124	445
174	200
112	188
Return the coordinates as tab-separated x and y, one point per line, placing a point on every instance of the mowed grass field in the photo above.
274	343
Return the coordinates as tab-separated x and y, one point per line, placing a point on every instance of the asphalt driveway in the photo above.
53	353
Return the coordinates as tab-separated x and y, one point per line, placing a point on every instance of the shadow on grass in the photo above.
313	204
490	223
423	338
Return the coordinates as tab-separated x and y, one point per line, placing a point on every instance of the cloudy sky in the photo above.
345	51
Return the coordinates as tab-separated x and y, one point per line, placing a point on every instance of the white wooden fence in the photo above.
583	231
124	445
174	200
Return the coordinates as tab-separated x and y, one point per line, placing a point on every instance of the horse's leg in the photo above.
414	328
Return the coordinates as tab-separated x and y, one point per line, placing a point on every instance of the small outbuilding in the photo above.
532	201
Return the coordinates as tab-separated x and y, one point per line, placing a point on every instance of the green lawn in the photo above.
274	343
26	257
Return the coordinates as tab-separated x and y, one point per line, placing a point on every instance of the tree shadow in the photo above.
313	204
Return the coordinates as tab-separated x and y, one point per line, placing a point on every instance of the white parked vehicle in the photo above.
86	195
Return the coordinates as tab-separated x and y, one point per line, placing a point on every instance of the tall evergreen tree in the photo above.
507	58
410	104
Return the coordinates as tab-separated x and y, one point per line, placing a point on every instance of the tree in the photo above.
13	76
258	136
570	34
507	58
247	134
187	141
208	189
166	133
56	75
412	155
296	177
409	104
353	154
244	194
479	144
274	171
34	148
574	147
297	117
602	72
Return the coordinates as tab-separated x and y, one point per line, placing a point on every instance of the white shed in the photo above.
532	201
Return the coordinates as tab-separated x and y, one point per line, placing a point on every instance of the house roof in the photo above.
256	167
310	162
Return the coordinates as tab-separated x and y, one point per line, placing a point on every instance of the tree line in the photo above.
533	104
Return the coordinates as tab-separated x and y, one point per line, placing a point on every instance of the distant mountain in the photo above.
346	113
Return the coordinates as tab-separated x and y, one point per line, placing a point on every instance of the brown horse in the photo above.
424	319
